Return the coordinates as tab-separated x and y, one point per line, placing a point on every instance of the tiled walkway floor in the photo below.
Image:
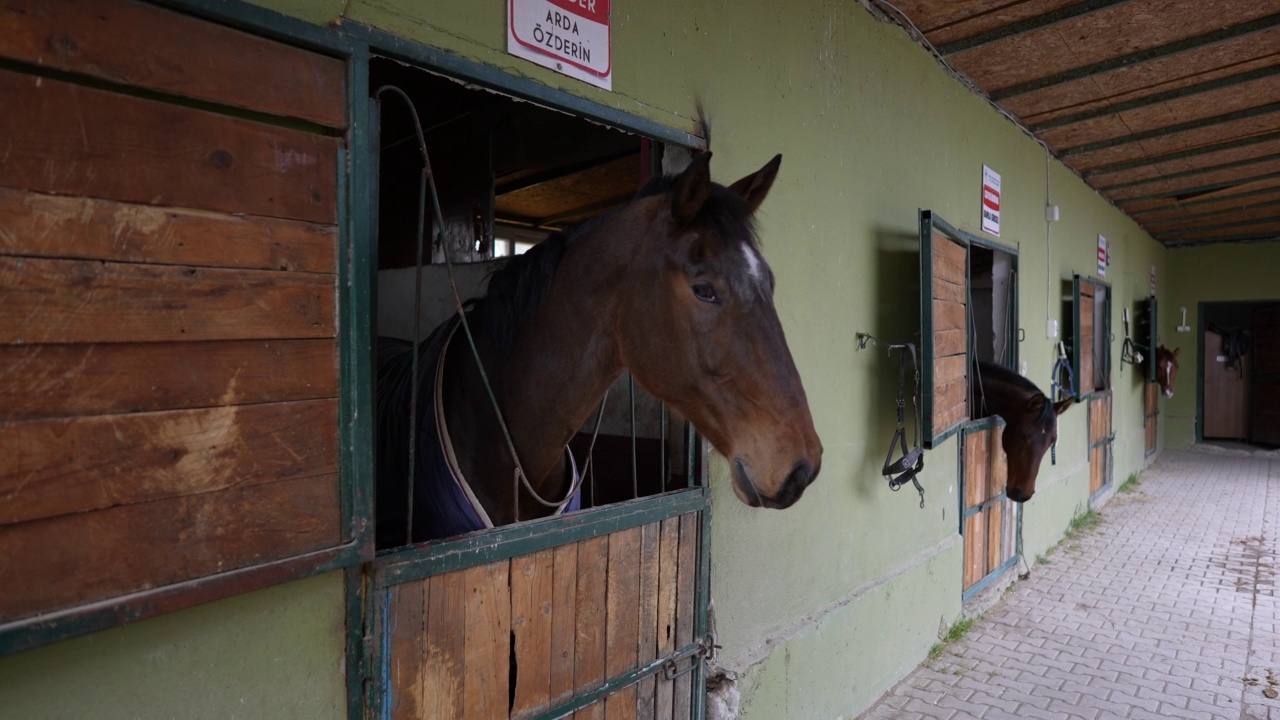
1167	610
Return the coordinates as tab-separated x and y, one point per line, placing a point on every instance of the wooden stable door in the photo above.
1226	392
1266	376
582	626
1150	401
169	352
988	517
1100	443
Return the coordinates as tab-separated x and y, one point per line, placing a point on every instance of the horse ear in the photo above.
692	189
1175	353
1062	405
754	187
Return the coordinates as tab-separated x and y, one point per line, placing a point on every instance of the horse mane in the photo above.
518	287
1003	374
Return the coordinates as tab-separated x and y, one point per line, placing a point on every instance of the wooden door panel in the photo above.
1266	376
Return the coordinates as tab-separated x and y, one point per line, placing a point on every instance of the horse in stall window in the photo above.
671	287
1031	422
1166	369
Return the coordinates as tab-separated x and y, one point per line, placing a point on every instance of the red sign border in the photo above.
511	17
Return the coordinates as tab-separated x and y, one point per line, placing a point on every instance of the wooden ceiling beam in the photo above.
1190	173
1179	155
1193	192
1246	113
1264	237
1142	56
1157	98
1022	27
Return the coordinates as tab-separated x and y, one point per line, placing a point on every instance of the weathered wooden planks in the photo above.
1099	442
408	604
950	333
1086	379
75	140
564	623
145	46
532	603
486	648
579	615
1150	412
169	366
622	604
66	466
988	541
45	381
80	301
647	635
951	392
685	584
589	652
64	561
444	665
51	226
668	564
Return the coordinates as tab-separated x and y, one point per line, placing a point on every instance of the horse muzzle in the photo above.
1018	495
1168	392
801	476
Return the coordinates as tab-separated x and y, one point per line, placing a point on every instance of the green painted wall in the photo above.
819	608
871	130
1198	275
275	654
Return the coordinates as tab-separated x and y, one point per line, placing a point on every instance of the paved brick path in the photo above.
1166	610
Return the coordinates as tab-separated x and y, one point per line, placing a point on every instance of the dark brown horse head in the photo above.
1031	423
1166	369
1027	437
723	361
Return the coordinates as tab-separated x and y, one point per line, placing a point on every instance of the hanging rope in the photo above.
428	181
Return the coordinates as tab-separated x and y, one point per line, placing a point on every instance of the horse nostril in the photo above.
801	476
1018	495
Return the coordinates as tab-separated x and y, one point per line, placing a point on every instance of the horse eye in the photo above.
706	293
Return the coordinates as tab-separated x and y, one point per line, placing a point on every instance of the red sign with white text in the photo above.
990	201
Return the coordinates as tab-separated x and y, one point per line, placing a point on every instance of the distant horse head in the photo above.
1166	369
698	329
1031	421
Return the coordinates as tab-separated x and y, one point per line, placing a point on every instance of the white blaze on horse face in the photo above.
754	264
1168	370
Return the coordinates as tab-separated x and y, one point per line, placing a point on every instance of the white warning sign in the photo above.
569	36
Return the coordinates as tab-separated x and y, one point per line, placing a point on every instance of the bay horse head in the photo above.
698	330
1031	423
1166	369
671	287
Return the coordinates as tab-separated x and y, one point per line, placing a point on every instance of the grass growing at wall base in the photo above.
1131	484
957	631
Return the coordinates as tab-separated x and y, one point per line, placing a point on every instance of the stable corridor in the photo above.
1167	609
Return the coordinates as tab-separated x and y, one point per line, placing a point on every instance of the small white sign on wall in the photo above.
990	201
574	37
1102	256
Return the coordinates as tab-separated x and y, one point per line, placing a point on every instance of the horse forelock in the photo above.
725	213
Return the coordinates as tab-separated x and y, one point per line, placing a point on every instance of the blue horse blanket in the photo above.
443	503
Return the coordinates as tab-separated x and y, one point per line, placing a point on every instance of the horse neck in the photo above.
547	384
1002	398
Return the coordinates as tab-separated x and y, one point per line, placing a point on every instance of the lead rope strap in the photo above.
520	478
912	461
429	180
